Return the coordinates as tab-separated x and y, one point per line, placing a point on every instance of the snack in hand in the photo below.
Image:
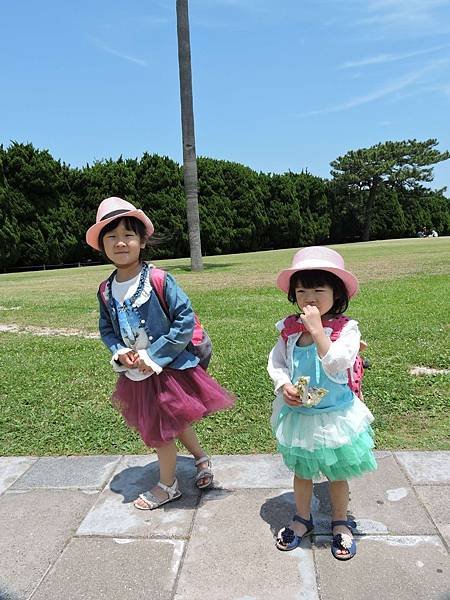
309	396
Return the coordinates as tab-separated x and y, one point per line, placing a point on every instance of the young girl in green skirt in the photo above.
321	426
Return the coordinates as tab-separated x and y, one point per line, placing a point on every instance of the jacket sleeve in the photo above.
168	346
277	365
107	334
342	353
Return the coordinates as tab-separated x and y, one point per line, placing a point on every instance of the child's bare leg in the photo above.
339	496
167	456
190	441
303	494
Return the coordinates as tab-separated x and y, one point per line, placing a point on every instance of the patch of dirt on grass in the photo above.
428	371
46	331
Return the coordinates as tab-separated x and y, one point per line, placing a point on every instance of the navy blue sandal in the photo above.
343	541
286	538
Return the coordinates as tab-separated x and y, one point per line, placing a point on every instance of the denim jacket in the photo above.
169	339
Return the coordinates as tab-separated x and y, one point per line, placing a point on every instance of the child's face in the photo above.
321	296
123	246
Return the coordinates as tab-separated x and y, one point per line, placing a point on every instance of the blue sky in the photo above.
278	85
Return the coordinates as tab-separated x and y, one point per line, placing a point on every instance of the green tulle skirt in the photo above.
336	464
335	444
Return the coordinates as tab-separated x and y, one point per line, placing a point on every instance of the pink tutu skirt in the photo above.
162	406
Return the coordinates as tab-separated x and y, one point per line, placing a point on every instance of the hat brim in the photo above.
349	280
93	232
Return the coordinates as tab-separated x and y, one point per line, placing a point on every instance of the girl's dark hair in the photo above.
131	223
318	278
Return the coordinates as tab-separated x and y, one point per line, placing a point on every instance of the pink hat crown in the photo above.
112	205
320	258
317	255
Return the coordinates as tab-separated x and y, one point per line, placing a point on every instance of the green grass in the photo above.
54	391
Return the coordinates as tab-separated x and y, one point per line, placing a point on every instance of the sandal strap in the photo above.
305	522
346	522
149	499
170	490
204	473
203	459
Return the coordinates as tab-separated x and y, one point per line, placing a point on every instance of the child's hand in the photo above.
291	395
129	359
142	367
311	319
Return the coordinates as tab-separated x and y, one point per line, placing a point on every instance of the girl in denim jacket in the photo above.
161	388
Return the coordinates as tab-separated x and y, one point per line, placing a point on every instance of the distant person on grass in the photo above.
161	388
321	426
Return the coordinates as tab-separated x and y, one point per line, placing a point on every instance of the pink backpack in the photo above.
201	344
355	374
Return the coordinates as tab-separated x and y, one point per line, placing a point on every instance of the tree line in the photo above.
46	205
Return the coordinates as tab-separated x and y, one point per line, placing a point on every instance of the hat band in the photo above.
114	213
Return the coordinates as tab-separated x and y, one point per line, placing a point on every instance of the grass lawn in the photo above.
54	389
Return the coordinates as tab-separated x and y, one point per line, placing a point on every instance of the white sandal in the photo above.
205	473
153	502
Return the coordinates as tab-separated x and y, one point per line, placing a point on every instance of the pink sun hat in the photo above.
323	259
110	209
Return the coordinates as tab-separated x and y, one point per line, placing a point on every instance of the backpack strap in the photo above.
157	279
337	325
292	325
102	290
103	287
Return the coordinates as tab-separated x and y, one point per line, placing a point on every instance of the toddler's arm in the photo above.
342	353
279	372
277	366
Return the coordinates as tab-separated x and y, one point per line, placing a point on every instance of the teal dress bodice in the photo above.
307	363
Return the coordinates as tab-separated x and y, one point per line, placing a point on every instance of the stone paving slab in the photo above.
385	567
11	468
426	467
35	525
437	501
256	471
384	502
114	513
114	569
232	543
79	472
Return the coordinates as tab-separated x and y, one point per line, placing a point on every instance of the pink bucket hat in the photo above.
323	259
110	209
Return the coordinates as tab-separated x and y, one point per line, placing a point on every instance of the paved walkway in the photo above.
68	530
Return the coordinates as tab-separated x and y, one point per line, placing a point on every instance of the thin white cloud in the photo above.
385	58
113	51
408	16
382	92
385	91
